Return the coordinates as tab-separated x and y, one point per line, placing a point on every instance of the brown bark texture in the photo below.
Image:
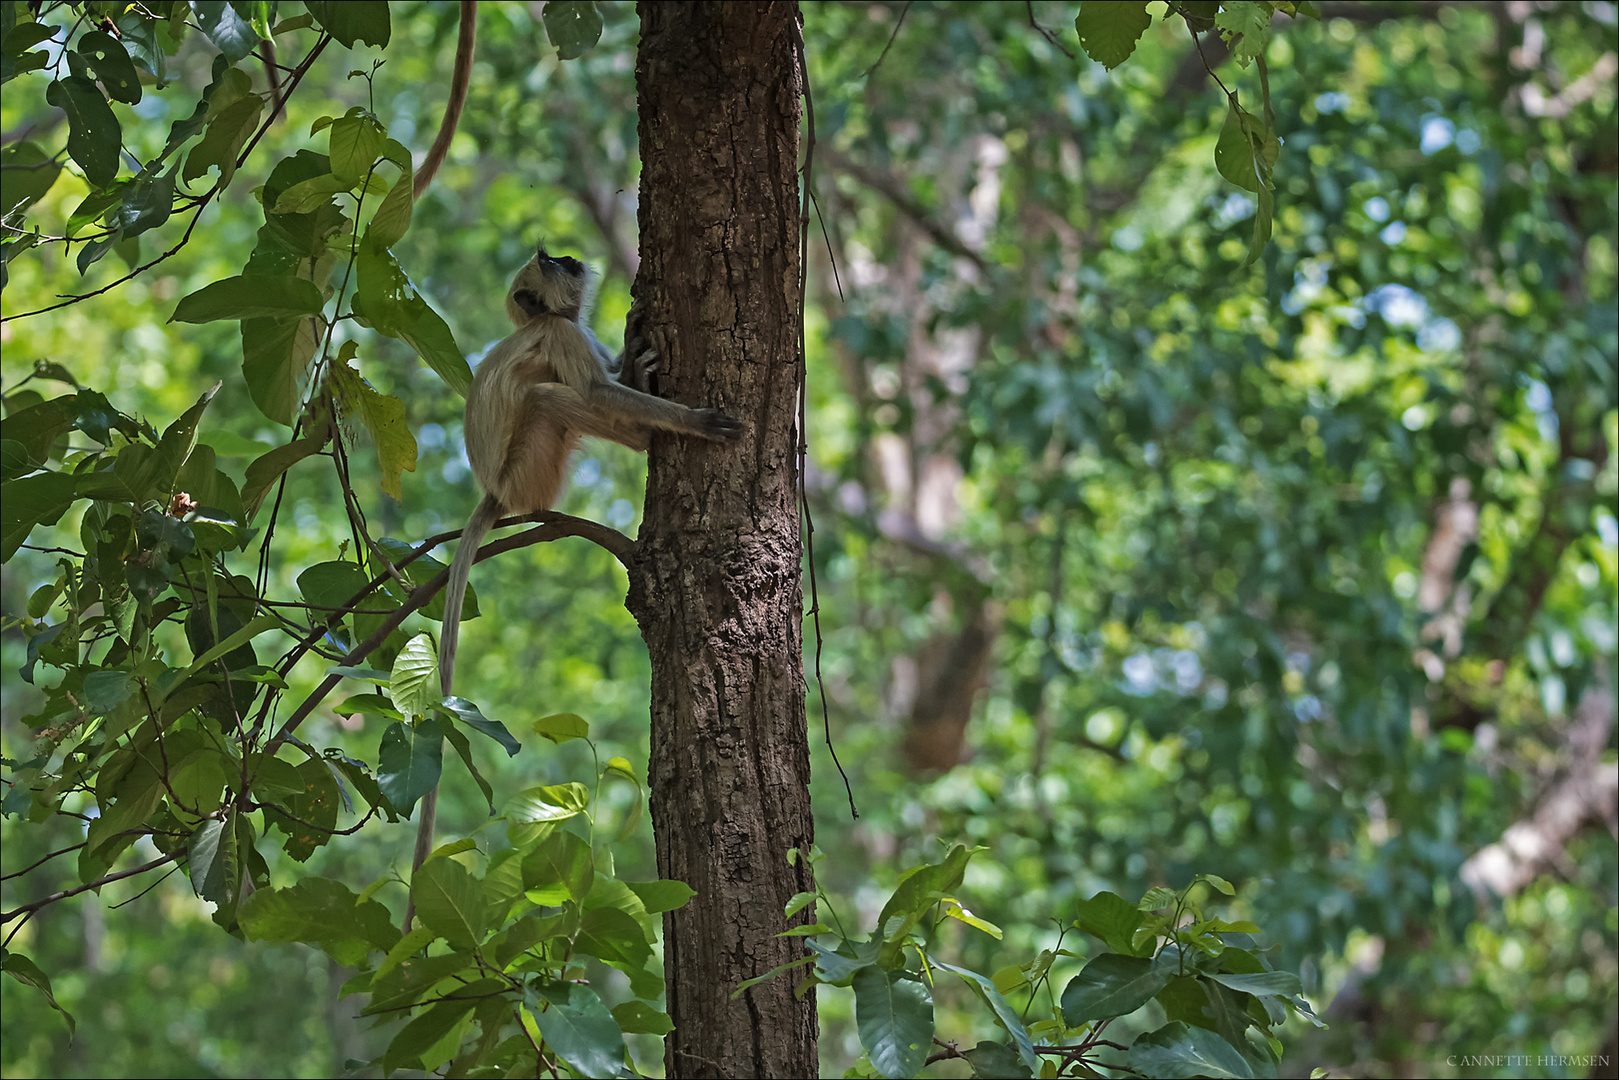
715	582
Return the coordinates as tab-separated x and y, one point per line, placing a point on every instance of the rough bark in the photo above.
715	583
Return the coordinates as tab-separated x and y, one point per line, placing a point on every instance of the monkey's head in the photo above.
548	286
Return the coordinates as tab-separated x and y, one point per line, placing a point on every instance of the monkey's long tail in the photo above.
455	594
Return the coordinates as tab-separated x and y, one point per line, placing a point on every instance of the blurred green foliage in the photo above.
1134	563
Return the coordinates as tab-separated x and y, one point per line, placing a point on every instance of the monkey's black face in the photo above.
567	264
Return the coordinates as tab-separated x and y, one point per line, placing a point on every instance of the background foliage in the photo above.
1136	560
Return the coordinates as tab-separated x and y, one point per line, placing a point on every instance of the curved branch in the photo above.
551	526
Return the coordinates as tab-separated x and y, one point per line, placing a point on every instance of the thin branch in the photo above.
87	886
904	11
1047	34
42	861
551	526
201	204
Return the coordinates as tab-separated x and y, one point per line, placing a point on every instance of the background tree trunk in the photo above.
716	582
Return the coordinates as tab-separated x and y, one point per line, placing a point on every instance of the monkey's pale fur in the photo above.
532	399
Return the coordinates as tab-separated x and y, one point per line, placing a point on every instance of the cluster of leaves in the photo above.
1248	147
506	948
1219	992
155	721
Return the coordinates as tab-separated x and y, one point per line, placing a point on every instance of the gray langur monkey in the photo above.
533	397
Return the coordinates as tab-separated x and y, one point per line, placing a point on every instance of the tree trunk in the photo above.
715	582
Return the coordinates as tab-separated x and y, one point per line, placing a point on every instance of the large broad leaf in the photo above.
559	869
573	26
227	29
430	1027
93	135
1108	31
1111	985
276	354
410	762
213	861
107	62
1283	983
320	912
27	173
467	713
266	470
355	144
28	973
413	682
894	1013
383	417
353	20
1178	1050
250	297
582	1032
1005	1015
32	500
450	901
228	131
1112	918
920	890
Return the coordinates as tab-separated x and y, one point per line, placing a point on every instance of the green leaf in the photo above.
1112	918
559	869
467	713
27	174
28	973
426	1029
227	133
1108	31
331	585
660	896
213	864
231	33
1245	26
1111	985
353	20
924	886
306	196
94	134
313	809
266	470
954	910
1005	1015
560	727
1219	883
1178	1050
392	219
1282	983
320	912
573	26
383	417
412	682
407	982
614	937
1263	216
356	142
259	624
276	354
894	1013
250	297
639	1018
993	1059
463	748
578	1027
556	802
104	691
177	442
386	301
410	762
146	203
41	499
451	902
110	65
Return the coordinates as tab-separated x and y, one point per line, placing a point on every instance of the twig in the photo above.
42	861
551	527
904	11
87	886
1047	34
292	84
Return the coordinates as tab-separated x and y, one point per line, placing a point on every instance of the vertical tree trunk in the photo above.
715	584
